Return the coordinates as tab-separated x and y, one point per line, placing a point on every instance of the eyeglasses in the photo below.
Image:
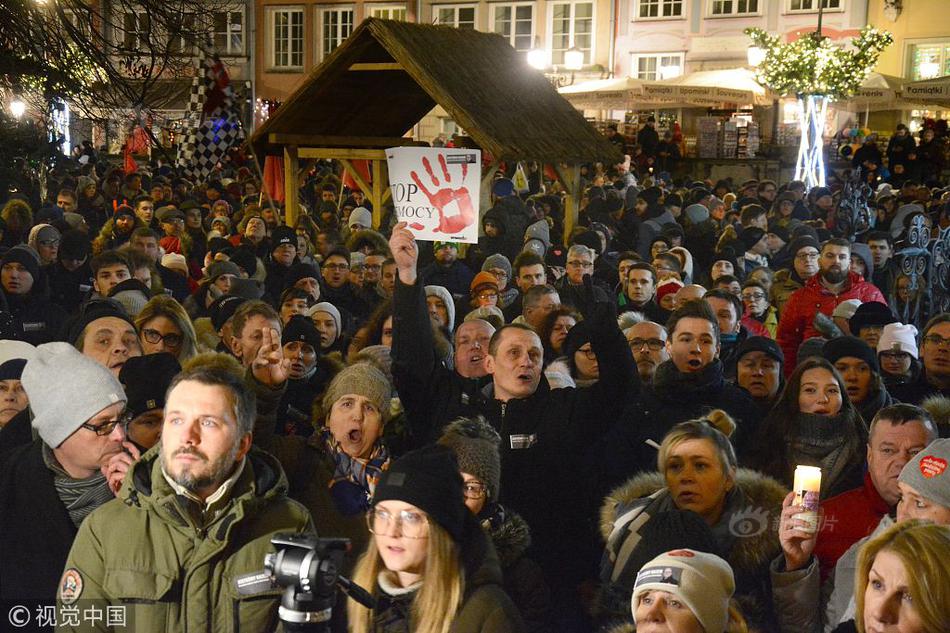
936	339
475	490
337	266
894	355
574	263
106	427
654	344
372	266
154	337
485	296
48	243
408	523
588	353
807	257
753	296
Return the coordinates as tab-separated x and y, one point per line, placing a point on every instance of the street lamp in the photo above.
573	59
537	56
17	108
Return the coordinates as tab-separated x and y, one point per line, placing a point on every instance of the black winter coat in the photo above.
36	532
37	319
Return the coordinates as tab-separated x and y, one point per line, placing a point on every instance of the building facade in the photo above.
921	30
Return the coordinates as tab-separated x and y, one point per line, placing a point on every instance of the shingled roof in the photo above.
388	75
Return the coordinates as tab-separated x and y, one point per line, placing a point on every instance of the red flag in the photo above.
361	166
274	177
129	164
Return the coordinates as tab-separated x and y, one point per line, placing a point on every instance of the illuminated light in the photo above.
538	58
573	58
756	55
17	108
928	70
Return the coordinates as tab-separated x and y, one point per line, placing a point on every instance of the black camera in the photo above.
308	567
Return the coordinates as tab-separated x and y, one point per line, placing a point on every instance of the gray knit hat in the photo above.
927	473
475	444
362	379
66	389
497	261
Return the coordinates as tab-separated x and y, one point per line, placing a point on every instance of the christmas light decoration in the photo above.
816	71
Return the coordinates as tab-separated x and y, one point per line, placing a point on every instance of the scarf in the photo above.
669	380
79	496
354	479
824	441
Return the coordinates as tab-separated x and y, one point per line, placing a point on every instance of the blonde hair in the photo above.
716	427
168	307
434	604
922	547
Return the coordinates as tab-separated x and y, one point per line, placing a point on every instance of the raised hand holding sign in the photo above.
436	203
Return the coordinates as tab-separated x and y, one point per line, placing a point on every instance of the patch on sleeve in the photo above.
70	587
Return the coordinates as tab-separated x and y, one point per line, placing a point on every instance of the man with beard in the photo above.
49	487
833	284
195	517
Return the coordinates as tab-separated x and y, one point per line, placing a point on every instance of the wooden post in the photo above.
484	202
377	192
291	190
571	179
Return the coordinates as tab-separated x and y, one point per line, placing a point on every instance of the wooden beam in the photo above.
350	169
484	202
291	191
311	140
341	153
368	66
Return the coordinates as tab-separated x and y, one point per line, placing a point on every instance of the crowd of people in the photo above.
539	432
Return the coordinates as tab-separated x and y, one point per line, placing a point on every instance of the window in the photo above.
656	67
572	26
134	30
461	16
660	9
286	37
388	12
733	7
183	43
79	21
516	23
930	60
335	26
812	5
227	32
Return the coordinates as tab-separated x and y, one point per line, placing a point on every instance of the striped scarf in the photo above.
362	472
79	496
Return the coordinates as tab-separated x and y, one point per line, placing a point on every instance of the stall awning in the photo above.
931	91
705	88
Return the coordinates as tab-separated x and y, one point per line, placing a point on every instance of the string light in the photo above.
265	107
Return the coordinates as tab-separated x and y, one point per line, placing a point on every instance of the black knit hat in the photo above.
760	344
851	346
146	379
301	328
301	271
429	479
74	245
870	313
244	257
223	308
92	310
804	241
589	239
282	235
12	369
23	255
577	336
750	236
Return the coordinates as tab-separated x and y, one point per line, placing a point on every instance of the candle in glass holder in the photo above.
807	486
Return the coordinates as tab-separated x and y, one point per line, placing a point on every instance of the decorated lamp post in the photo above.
816	72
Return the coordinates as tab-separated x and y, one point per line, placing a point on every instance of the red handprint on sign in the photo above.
444	198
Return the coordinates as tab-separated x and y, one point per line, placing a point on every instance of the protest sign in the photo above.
436	191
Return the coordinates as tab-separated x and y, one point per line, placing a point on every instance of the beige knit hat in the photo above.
704	582
361	379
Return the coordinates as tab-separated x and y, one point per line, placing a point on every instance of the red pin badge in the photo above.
931	466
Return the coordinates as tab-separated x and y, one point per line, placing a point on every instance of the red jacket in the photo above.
846	519
796	323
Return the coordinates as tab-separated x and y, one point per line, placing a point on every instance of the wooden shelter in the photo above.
371	91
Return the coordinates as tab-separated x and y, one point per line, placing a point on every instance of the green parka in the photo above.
145	551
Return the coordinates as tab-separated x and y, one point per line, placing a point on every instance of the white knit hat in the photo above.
175	261
704	582
66	389
329	308
898	337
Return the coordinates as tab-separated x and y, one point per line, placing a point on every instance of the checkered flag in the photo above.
190	124
220	123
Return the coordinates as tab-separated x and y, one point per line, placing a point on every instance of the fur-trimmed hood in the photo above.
939	409
511	539
764	497
361	238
